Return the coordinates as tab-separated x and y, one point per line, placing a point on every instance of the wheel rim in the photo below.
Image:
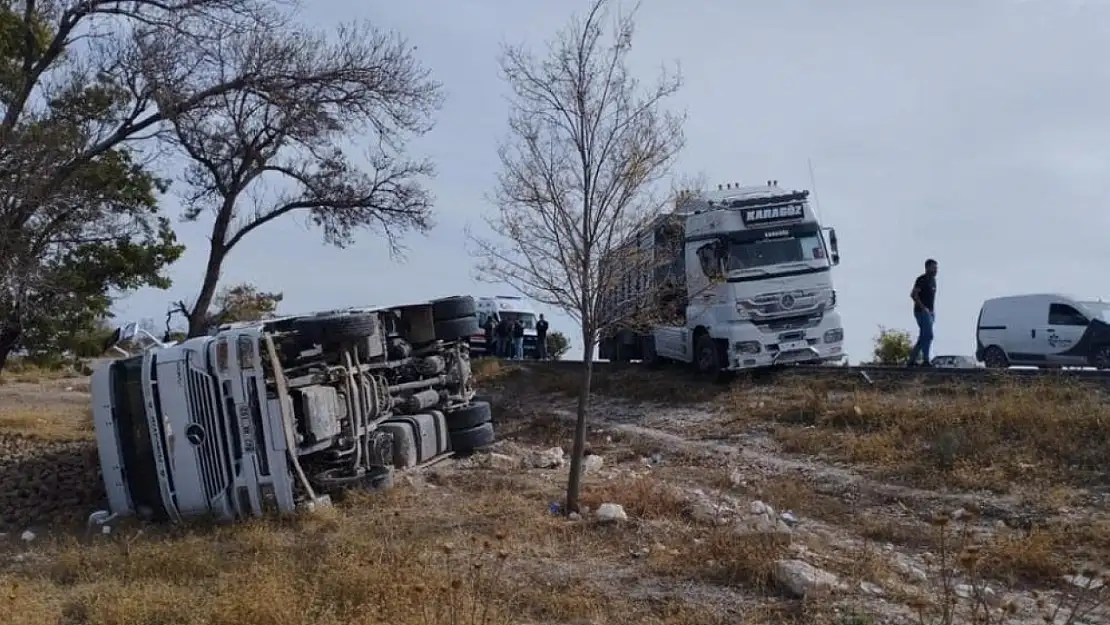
1102	358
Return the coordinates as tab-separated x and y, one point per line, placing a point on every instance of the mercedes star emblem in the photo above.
194	434
788	301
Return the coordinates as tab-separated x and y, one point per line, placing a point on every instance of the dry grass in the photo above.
1037	432
486	551
670	387
22	371
471	546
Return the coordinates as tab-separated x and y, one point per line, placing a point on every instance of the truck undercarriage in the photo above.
285	413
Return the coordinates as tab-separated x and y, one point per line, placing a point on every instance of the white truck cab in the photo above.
1043	330
264	417
752	269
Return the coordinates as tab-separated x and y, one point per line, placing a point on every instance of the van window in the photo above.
1064	315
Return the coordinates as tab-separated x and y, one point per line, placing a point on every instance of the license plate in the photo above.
793	345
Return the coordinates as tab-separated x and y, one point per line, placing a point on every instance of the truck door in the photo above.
1064	329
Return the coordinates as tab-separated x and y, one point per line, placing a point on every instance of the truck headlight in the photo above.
748	347
834	336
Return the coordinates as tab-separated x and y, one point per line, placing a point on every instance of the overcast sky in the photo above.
976	132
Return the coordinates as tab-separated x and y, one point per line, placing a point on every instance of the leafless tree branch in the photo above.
587	145
277	147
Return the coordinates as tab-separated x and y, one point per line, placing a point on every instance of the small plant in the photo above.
892	347
557	345
961	566
470	595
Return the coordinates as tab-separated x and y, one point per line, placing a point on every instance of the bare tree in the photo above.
587	146
259	155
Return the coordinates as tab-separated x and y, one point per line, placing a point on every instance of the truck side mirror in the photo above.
833	248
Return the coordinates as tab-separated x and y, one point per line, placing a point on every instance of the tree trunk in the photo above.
198	316
575	481
9	336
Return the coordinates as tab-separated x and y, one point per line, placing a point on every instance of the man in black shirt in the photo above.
502	331
541	339
924	295
518	340
488	326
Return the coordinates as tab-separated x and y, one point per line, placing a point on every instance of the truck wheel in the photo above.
336	328
477	413
455	329
472	438
707	358
453	307
1100	357
995	358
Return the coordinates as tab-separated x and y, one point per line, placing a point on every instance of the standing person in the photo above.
541	339
518	340
924	296
502	332
488	327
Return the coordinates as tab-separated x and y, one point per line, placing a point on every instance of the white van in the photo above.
1043	330
510	308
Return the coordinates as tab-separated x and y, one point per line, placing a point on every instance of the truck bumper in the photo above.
752	348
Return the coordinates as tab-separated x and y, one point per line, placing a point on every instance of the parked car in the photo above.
954	362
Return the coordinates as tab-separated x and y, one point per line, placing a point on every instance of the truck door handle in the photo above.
1033	333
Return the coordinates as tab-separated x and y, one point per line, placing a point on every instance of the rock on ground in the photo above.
547	459
802	579
611	513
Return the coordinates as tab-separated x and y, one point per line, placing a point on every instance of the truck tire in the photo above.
477	413
709	361
455	329
342	328
453	307
472	438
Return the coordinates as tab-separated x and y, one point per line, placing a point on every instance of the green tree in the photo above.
892	347
243	302
557	345
81	85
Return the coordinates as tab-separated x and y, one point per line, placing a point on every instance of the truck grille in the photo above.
204	413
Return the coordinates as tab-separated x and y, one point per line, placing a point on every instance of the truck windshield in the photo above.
528	320
136	449
753	250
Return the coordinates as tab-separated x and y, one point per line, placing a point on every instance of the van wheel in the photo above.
1100	357
995	358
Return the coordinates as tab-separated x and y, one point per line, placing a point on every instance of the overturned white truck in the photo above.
272	416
